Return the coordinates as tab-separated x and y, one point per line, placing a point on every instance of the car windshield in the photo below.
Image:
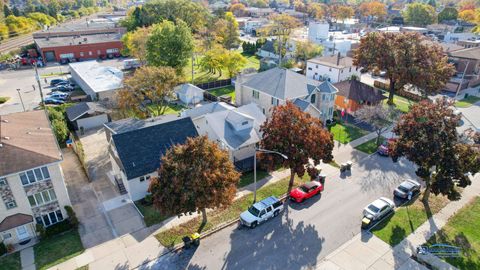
373	208
254	211
304	188
404	189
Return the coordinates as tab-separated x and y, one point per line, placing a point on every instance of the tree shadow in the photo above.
275	245
469	258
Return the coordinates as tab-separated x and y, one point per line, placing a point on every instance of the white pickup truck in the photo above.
261	212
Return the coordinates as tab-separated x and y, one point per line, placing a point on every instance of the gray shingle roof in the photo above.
327	87
140	149
301	104
281	83
207	108
268	46
76	111
188	88
130	124
358	91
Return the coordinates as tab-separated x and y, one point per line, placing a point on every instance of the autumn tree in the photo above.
467	5
219	59
135	43
233	62
147	91
315	10
377	116
305	50
193	177
427	136
170	45
238	10
226	31
374	9
447	14
407	59
297	135
419	14
341	13
467	15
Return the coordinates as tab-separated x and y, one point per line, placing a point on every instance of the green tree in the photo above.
42	18
211	61
297	135
407	59
447	14
419	14
305	50
170	45
193	177
427	136
233	62
3	31
19	25
231	36
135	43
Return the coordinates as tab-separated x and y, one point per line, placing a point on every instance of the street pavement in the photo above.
305	233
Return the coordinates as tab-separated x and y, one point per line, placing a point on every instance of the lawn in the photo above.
346	133
467	102
462	231
253	61
11	262
174	235
401	103
247	177
371	146
151	215
224	91
171	108
4	99
406	219
57	249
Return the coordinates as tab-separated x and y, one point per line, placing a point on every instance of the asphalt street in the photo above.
304	233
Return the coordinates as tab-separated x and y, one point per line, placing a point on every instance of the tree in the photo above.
227	31
297	135
170	45
315	10
305	50
238	9
147	91
447	14
233	62
374	9
193	177
42	18
407	59
212	61
135	43
377	116
467	5
419	14
3	31
427	136
467	15
342	12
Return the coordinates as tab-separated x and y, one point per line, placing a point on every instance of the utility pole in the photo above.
193	69
461	82
21	100
39	84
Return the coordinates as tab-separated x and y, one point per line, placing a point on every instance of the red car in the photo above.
306	191
384	148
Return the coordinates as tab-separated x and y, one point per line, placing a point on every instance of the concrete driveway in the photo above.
305	233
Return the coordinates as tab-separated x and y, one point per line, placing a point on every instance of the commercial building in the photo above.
98	82
32	186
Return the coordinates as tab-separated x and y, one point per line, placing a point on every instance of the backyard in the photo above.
10	262
345	133
371	146
57	249
406	219
462	231
224	91
467	102
402	104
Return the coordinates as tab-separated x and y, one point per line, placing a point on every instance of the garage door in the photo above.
50	56
92	122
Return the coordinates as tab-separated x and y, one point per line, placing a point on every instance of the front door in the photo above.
22	233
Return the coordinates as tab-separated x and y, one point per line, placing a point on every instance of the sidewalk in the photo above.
366	251
135	249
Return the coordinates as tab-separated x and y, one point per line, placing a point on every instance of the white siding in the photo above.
92	122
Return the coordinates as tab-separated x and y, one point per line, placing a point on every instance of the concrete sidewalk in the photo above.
366	251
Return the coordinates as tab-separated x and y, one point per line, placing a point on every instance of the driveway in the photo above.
305	233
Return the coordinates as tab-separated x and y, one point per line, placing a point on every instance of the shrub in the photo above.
148	200
3	248
3	99
10	248
73	220
57	228
41	230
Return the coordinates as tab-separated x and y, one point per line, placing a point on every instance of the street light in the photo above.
255	168
21	100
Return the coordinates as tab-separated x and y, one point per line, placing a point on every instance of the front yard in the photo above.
11	262
173	236
467	102
462	231
57	249
406	219
371	146
345	133
224	91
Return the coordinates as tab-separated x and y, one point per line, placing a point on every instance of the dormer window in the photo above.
312	98
244	123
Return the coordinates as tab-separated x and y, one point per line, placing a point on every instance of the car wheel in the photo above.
254	224
275	213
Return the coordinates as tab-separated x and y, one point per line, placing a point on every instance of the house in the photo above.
136	146
260	12
253	24
332	68
318	31
353	94
467	65
268	50
100	83
87	115
189	93
276	86
236	130
32	186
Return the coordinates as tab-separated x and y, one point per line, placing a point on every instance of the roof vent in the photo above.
6	138
5	120
28	132
1	145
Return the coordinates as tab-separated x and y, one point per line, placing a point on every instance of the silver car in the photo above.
406	187
378	209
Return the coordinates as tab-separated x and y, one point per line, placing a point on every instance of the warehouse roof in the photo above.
48	42
99	78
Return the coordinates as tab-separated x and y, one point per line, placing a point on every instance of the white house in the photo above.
32	186
318	31
189	93
333	68
276	86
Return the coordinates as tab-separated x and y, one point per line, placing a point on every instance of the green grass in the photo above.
406	219
4	99
402	104
174	235
346	133
151	215
253	61
11	262
371	146
462	231
247	177
56	74
171	109
224	91
334	164
85	267
57	249
467	102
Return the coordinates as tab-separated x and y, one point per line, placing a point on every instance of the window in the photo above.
43	197
312	98
99	52
7	235
35	175
316	66
81	54
50	218
11	204
3	181
114	50
329	69
143	178
323	97
309	68
341	71
66	55
330	112
350	69
263	110
244	123
90	53
255	94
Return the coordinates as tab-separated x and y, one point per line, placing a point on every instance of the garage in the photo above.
92	122
87	115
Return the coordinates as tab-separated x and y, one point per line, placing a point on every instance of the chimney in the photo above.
338	58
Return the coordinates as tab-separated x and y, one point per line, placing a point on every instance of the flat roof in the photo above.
98	77
44	42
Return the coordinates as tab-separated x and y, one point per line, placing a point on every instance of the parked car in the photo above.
59	95
406	187
54	82
378	209
261	212
50	100
306	191
66	83
384	148
63	88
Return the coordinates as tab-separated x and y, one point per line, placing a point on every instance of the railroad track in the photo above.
16	43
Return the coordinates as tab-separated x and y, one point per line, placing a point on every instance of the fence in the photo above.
398	91
215	84
78	149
